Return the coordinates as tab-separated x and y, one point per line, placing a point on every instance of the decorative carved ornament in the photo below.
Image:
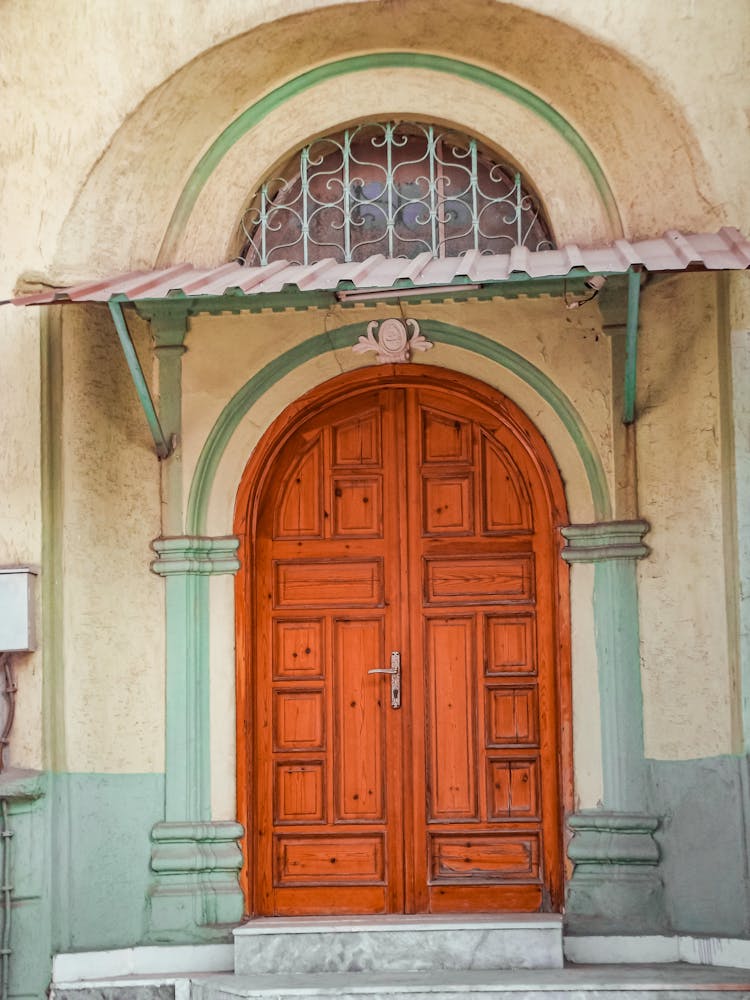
393	342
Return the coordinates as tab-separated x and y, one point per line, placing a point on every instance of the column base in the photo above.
195	894
616	887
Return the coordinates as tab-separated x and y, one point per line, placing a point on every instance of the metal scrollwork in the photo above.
394	188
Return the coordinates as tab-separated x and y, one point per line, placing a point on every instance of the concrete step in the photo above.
652	982
312	945
602	982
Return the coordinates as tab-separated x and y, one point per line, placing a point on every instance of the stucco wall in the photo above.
111	678
687	672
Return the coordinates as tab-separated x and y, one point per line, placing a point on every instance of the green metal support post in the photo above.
631	345
163	447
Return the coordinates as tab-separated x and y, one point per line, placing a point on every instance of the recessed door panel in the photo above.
510	644
298	650
360	714
452	778
331	583
299	788
478	580
300	511
484	858
329	860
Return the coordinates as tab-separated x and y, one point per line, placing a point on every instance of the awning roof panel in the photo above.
674	251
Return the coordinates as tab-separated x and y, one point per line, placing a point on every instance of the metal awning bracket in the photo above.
164	446
631	344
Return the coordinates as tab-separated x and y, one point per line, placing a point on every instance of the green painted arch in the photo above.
444	333
253	115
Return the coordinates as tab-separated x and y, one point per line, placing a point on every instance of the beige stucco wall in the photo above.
110	681
106	112
687	670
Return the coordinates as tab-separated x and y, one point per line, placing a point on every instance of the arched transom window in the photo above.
394	188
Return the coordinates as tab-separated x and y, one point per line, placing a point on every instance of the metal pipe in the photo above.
6	890
631	345
163	447
9	693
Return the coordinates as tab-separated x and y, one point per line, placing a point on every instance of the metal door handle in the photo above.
394	671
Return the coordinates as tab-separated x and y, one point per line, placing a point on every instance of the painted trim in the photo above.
734	407
263	380
613	838
459	289
190	554
143	960
18	783
52	594
590	543
657	948
255	114
169	324
615	548
195	893
186	562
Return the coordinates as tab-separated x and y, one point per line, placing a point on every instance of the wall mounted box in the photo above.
17	609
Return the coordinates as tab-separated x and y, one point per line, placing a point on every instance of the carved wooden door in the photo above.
404	520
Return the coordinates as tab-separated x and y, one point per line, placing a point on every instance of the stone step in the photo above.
646	982
313	945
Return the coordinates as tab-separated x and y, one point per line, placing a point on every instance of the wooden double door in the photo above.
401	706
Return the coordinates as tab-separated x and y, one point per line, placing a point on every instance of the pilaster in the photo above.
616	884
194	892
195	861
169	324
613	305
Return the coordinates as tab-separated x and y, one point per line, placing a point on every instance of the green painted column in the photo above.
616	885
195	861
194	893
169	324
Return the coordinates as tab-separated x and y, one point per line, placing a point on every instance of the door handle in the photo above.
394	671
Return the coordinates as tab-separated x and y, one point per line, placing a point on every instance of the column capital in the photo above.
604	540
197	555
168	321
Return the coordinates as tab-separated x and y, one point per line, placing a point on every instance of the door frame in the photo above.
250	490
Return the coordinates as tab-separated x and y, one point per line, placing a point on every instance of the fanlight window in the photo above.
397	189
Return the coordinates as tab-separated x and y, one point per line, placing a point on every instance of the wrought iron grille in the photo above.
397	189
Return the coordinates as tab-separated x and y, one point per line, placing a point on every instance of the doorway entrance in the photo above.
400	702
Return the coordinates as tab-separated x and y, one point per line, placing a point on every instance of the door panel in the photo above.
479	841
326	774
405	518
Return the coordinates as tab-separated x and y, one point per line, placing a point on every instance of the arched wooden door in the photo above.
402	521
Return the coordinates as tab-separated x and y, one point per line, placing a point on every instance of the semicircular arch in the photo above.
597	98
232	415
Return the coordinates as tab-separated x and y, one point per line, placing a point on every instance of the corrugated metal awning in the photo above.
282	285
674	251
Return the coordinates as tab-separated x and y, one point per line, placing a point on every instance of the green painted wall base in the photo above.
26	796
703	841
195	894
616	886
